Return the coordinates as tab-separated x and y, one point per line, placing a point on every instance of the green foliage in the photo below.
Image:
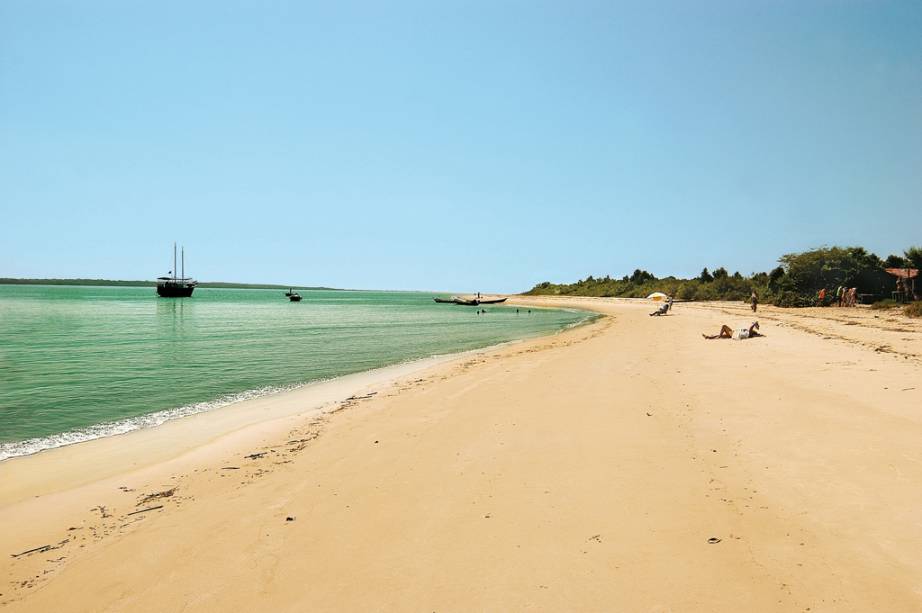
895	261
914	257
793	299
887	303
830	267
641	284
795	283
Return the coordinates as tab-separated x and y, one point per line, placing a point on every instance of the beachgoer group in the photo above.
843	297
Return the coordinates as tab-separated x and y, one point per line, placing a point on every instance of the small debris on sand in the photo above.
156	495
159	506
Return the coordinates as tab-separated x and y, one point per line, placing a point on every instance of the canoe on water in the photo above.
468	302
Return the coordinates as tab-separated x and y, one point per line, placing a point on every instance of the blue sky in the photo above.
453	145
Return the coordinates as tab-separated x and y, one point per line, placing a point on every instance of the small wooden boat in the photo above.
457	300
468	301
293	296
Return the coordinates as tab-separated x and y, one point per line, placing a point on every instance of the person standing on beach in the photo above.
839	293
754	301
822	297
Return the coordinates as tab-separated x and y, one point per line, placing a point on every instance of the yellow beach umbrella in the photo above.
657	296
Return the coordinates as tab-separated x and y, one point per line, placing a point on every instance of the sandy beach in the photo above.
624	465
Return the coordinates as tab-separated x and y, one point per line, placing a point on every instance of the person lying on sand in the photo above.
727	332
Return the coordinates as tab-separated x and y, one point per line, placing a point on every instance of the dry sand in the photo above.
585	471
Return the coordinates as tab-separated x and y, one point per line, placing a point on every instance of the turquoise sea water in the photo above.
82	362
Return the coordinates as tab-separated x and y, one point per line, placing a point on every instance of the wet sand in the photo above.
624	465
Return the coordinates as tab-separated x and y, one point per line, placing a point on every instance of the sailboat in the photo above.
172	286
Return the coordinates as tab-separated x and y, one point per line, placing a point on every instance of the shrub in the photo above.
885	304
793	299
913	310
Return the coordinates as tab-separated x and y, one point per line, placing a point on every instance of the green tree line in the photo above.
794	282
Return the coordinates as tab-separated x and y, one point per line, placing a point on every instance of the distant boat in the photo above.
468	301
293	296
176	287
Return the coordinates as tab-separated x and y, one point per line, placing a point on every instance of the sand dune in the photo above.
625	465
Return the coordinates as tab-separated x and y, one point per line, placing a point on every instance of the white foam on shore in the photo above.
15	449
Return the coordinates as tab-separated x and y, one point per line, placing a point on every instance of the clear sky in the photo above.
453	145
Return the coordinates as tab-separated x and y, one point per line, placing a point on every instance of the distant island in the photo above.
114	283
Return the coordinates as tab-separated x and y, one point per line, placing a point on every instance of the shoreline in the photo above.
12	450
587	470
85	484
184	432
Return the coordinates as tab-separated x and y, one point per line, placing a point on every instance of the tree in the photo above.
829	267
641	276
705	276
914	257
775	277
895	261
721	273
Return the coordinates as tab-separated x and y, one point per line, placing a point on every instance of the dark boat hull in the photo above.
175	291
294	298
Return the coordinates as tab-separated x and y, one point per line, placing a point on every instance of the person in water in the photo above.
727	332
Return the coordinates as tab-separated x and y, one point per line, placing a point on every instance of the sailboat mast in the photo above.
174	261
183	262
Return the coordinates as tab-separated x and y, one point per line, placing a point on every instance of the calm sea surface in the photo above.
82	362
